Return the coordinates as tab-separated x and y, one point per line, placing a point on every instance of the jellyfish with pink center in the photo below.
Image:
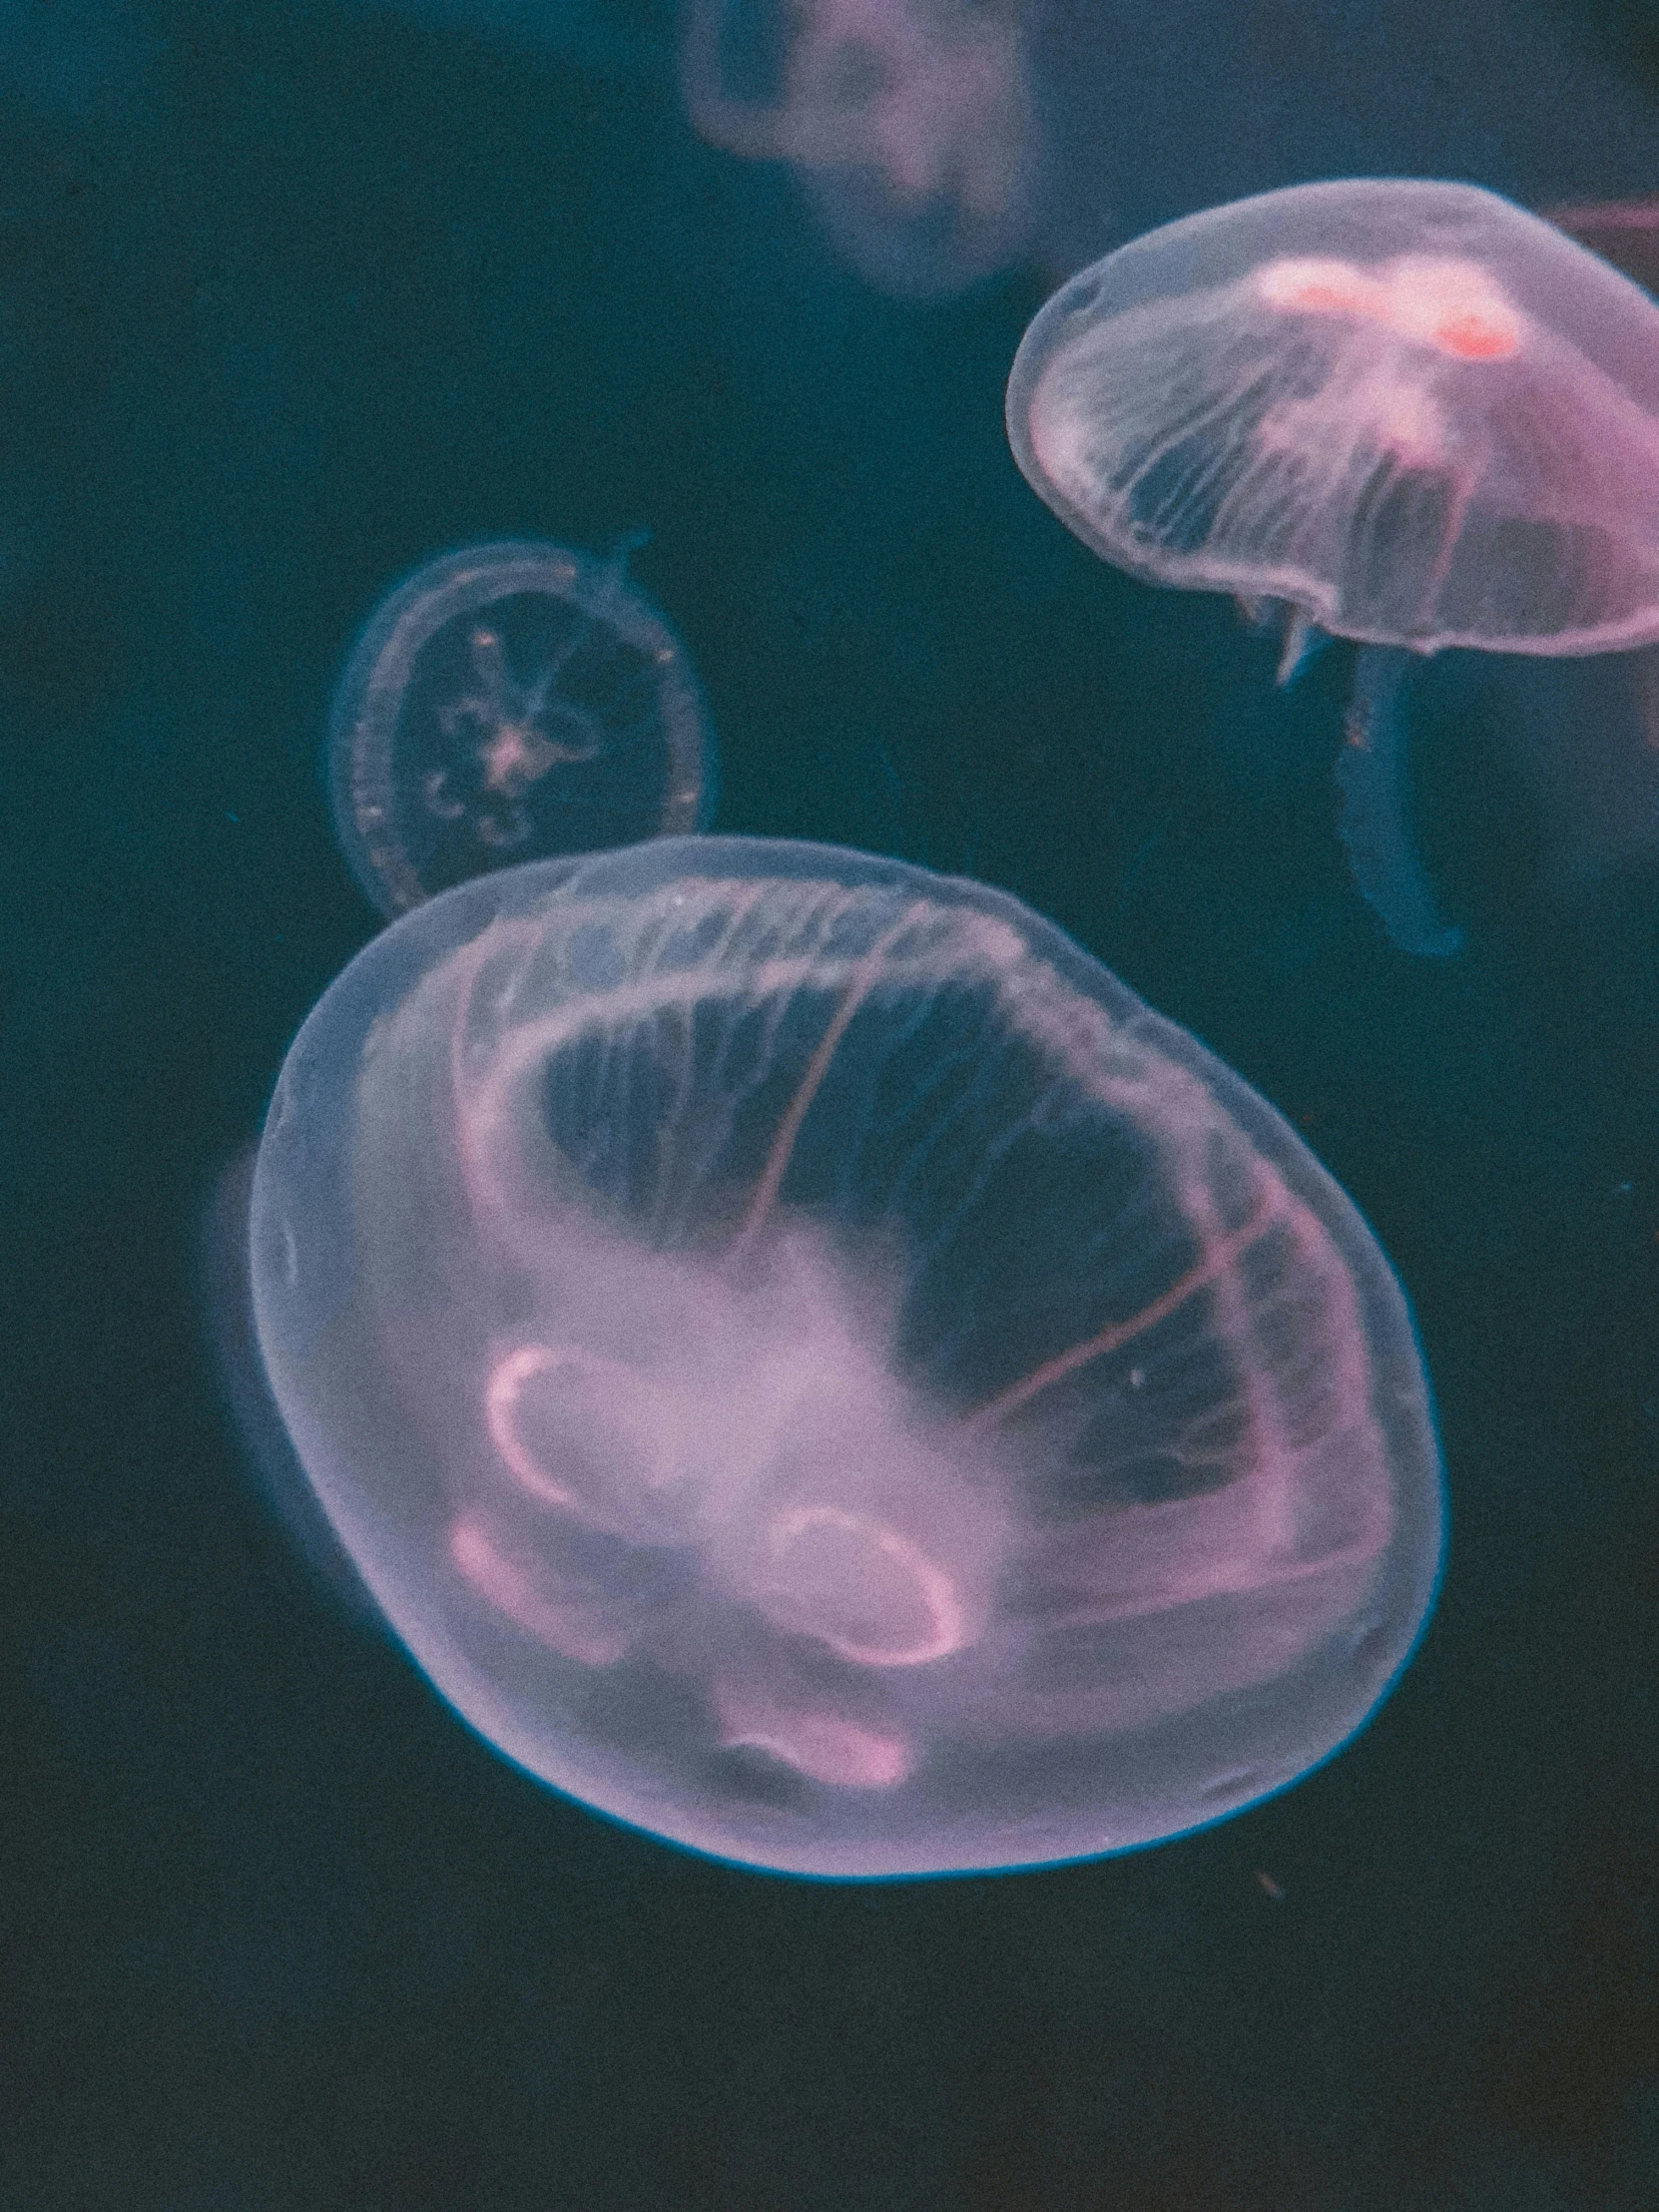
1408	413
908	121
811	1365
508	701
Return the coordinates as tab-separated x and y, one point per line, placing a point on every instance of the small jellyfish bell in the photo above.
1411	413
508	702
811	1365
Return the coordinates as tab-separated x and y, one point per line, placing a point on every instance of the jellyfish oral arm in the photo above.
1372	825
1300	635
1303	639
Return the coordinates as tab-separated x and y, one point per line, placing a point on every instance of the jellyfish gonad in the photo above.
1406	414
811	1365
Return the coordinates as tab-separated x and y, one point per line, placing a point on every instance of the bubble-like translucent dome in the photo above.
512	701
1416	411
811	1365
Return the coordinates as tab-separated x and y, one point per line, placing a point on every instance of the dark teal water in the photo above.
293	297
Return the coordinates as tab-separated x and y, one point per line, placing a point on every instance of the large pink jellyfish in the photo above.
1412	412
811	1365
908	121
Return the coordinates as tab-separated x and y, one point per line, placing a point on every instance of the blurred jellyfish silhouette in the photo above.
907	122
1563	757
1408	413
508	702
811	1365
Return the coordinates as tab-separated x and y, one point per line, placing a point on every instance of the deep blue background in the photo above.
292	296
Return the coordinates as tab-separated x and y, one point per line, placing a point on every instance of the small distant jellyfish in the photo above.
907	122
812	1366
1406	414
511	702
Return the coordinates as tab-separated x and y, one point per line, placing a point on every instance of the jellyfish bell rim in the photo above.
1219	246
275	1480
443	586
496	1732
497	1747
1393	1615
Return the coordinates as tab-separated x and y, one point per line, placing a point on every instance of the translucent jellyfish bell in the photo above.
1412	412
811	1365
509	703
